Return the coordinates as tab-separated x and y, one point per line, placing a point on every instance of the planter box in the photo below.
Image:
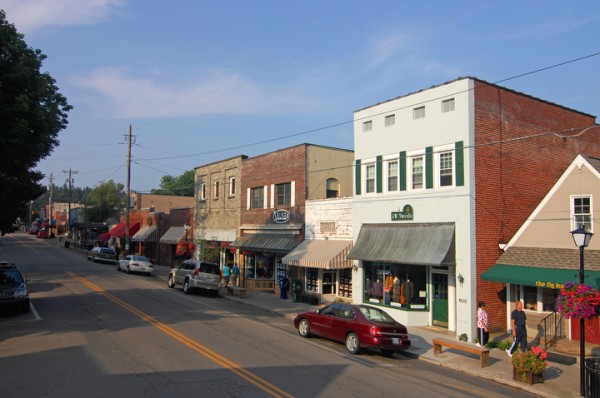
530	378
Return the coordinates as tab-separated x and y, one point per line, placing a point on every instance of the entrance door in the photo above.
440	300
329	282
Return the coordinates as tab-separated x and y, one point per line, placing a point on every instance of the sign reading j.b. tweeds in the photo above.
405	214
281	216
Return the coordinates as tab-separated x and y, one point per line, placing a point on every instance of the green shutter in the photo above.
402	170
460	164
358	179
429	167
379	174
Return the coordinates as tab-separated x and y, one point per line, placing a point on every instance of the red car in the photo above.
358	326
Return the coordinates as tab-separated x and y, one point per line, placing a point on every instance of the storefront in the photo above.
409	269
170	239
144	241
323	268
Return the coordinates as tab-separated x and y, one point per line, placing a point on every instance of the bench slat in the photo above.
484	353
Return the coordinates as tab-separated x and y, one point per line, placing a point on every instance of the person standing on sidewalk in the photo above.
226	274
235	274
519	329
482	325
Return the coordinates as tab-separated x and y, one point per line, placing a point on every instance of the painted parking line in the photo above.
199	348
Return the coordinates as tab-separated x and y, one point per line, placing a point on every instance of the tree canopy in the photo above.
178	186
32	113
105	201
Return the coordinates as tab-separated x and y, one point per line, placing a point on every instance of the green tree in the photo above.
32	113
178	186
104	201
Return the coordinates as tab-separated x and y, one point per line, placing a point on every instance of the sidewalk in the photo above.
559	380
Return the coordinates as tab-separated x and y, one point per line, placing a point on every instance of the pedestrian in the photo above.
519	329
235	274
226	274
284	286
482	325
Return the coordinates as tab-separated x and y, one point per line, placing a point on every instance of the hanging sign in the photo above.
405	214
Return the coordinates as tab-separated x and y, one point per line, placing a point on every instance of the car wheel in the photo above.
352	343
304	328
387	353
186	286
171	282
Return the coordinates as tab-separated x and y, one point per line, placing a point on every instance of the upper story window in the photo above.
367	126
257	198
448	105
416	166
333	188
581	212
284	194
217	187
231	186
202	191
446	169
370	181
419	113
392	175
390	120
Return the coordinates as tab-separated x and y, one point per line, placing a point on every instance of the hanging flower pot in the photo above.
578	301
185	249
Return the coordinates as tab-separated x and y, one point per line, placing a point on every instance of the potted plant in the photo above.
529	365
578	301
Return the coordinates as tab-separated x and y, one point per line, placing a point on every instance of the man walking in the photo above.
519	329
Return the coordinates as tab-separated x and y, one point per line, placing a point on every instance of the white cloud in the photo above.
32	15
117	93
543	31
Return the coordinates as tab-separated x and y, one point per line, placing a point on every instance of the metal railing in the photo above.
553	329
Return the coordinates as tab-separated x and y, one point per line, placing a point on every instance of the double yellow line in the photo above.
199	348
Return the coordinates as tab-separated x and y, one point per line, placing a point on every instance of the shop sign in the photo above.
281	216
214	244
405	214
327	226
549	285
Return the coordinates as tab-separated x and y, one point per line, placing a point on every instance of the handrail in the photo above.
553	329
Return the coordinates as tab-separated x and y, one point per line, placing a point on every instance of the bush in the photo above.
463	337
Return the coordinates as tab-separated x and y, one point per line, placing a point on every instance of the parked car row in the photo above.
196	275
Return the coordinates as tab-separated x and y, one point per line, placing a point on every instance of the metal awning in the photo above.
173	236
146	234
316	253
417	244
282	243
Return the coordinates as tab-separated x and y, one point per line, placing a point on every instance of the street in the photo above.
96	332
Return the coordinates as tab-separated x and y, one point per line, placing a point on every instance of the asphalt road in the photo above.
96	332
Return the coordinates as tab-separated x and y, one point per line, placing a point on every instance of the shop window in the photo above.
549	299
259	266
396	285
345	283
312	280
530	296
280	271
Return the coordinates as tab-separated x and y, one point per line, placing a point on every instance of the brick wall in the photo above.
512	177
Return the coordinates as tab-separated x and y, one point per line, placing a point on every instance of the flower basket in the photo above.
185	249
528	366
578	301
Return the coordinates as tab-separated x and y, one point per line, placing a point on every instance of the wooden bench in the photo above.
241	291
484	353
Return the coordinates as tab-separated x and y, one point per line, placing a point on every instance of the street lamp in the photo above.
582	239
187	228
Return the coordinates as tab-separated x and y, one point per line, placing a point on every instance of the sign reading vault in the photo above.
405	214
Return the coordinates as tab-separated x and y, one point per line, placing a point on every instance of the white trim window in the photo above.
392	175
370	178
283	194
581	212
367	126
257	198
448	105
419	112
390	120
217	190
231	186
417	172
202	191
446	169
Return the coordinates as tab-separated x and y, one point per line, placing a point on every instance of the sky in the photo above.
201	81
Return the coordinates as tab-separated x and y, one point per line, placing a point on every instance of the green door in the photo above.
440	300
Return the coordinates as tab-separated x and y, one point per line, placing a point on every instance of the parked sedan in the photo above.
13	288
357	326
102	254
133	263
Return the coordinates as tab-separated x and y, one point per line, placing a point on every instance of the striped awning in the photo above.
316	253
173	236
279	243
146	234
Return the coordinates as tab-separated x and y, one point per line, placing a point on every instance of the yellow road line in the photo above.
199	348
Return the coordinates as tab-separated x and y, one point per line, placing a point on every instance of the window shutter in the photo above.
429	167
460	164
402	170
379	174
358	178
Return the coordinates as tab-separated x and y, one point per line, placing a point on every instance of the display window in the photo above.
259	266
312	280
396	285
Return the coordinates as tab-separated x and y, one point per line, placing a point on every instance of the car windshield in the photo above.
376	315
140	258
107	251
10	276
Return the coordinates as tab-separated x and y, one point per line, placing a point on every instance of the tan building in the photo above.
160	203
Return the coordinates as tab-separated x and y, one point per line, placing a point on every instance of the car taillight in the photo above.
375	331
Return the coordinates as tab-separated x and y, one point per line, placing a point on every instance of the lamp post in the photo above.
582	239
187	228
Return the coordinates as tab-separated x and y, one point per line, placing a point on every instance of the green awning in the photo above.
552	278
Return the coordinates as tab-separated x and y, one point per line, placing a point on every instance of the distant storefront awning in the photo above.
146	234
119	230
417	244
316	253
279	243
173	236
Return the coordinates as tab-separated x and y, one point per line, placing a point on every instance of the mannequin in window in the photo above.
378	289
396	290
408	291
368	288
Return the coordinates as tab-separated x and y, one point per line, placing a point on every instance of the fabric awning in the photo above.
118	231
417	244
282	243
316	253
552	278
173	236
146	234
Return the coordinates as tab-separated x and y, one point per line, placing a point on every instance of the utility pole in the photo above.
50	207
70	181
128	200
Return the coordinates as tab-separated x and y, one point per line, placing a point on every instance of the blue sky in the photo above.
201	81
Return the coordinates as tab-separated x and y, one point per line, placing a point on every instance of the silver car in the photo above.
102	254
193	274
133	263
